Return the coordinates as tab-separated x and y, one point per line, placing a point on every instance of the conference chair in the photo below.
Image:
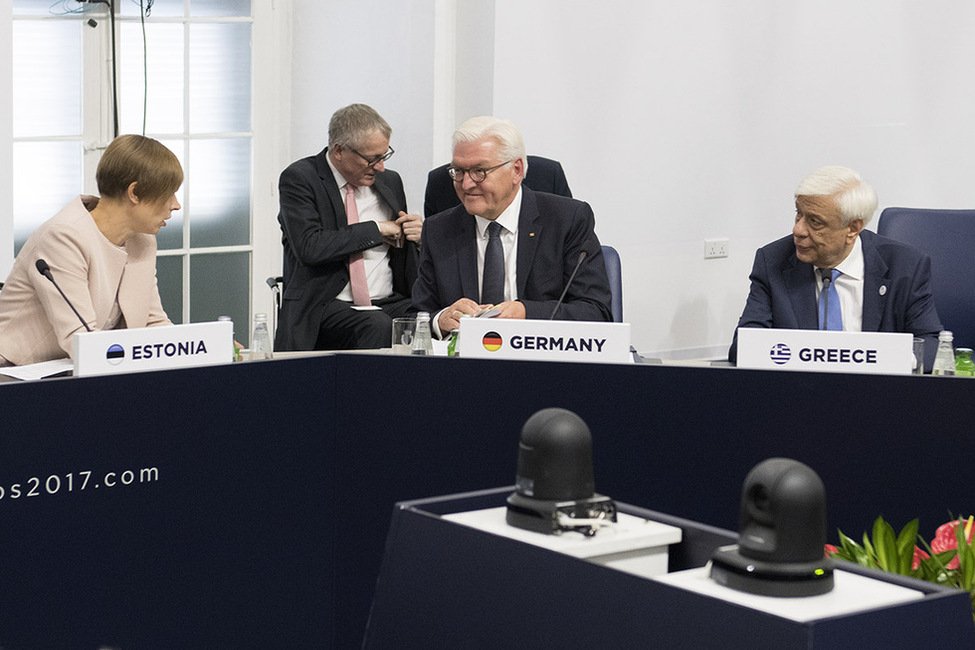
544	175
614	271
948	236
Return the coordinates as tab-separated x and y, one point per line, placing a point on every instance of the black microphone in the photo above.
827	276
582	257
45	270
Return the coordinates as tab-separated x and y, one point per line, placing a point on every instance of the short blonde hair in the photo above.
137	159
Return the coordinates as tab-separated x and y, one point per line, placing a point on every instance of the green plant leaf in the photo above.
966	559
868	547
852	552
906	541
885	546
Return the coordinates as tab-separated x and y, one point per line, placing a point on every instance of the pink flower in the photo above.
945	540
919	554
829	548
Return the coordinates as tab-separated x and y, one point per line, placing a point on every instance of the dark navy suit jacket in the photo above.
544	175
318	240
896	291
552	232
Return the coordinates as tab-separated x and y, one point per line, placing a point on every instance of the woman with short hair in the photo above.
102	253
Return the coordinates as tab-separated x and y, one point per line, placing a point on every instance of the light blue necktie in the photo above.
830	315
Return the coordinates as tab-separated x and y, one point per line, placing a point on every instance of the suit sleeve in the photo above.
157	315
758	307
306	218
922	317
67	253
588	296
426	293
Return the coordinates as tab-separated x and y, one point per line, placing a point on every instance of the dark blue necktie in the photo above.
830	315
492	284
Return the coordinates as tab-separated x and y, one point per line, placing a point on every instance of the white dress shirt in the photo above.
371	208
849	287
508	220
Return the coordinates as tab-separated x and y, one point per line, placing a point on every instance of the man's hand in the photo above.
412	226
450	317
391	232
511	309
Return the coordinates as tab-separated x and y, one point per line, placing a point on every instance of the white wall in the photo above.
676	121
689	120
371	51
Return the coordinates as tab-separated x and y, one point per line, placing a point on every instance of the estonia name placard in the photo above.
152	348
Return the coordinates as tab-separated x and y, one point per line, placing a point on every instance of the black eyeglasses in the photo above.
478	174
375	160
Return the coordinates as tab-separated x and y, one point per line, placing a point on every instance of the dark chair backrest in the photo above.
544	175
948	237
614	270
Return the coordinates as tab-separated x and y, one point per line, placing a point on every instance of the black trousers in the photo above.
345	328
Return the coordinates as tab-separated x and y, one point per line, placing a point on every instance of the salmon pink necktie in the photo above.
357	266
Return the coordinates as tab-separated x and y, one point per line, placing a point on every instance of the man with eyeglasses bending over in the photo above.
350	248
506	246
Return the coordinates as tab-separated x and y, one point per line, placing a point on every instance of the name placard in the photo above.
887	353
152	348
545	340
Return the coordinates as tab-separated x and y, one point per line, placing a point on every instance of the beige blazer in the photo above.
35	322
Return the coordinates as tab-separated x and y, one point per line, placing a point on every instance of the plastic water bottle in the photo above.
422	341
261	341
233	338
944	361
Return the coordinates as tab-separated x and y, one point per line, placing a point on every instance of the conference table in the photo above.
247	505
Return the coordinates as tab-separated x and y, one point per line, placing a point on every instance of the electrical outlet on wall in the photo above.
714	248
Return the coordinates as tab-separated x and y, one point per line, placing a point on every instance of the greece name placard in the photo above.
826	351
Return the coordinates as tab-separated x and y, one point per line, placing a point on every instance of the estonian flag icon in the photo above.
491	341
115	354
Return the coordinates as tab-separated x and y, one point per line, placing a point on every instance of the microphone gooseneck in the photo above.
827	280
44	269
582	257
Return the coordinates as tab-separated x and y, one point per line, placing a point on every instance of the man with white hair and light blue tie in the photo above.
830	273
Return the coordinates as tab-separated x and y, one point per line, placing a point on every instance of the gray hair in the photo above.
504	131
349	125
854	197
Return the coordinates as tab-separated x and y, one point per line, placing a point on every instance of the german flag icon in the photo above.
492	341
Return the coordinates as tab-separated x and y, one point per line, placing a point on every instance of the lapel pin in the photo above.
531	234
883	290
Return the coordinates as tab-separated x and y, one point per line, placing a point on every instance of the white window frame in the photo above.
270	144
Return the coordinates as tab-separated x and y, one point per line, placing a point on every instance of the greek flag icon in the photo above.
780	353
